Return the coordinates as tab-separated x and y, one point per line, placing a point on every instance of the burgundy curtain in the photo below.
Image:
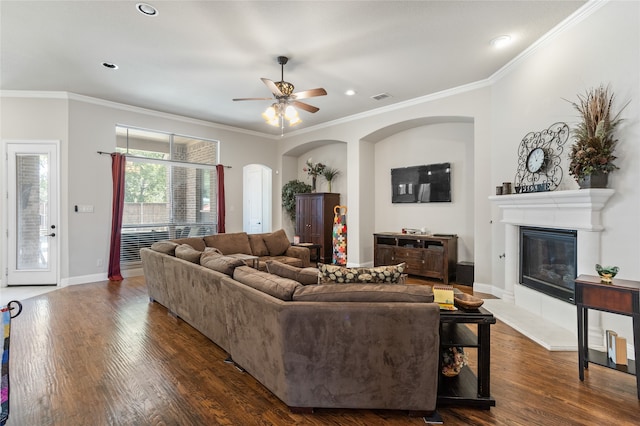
118	162
220	203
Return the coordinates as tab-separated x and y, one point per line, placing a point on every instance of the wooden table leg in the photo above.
580	310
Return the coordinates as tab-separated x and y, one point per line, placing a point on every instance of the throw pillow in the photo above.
304	276
343	275
337	274
258	247
277	242
224	264
385	274
166	247
186	252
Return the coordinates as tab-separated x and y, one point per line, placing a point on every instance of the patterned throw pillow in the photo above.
343	275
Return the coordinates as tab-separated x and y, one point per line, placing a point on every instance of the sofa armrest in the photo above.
301	253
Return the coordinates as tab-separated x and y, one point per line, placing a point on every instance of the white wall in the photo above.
86	126
604	48
430	144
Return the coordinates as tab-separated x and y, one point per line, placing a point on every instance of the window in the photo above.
170	188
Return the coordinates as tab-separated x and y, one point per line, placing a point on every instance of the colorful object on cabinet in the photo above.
340	235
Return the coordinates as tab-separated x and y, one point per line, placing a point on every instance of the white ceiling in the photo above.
196	56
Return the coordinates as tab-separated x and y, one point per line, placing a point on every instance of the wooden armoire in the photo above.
314	220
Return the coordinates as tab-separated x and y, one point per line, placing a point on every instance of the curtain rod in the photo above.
161	159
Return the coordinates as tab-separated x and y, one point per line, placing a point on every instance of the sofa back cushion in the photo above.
186	252
342	275
258	247
364	293
273	285
166	247
195	242
277	242
221	263
304	276
236	242
209	252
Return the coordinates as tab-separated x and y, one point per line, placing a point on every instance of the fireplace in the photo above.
548	261
577	210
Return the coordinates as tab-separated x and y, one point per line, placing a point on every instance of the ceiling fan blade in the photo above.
272	86
253	99
306	107
309	93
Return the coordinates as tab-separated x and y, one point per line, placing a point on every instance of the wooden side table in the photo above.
466	389
315	250
620	297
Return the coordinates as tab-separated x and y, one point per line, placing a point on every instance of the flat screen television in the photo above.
421	184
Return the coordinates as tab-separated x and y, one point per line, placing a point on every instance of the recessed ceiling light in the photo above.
110	65
147	9
501	41
350	92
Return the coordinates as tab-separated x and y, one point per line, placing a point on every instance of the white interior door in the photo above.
257	199
32	216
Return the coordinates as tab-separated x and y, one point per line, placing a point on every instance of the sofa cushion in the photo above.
277	242
364	293
258	247
282	288
304	276
166	247
186	252
342	275
220	263
236	242
195	242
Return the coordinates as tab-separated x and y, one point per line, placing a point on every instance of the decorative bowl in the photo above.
467	301
606	272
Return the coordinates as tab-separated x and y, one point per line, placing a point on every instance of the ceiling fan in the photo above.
285	99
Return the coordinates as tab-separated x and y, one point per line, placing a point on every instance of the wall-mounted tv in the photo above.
421	184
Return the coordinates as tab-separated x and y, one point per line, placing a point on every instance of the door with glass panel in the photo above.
32	213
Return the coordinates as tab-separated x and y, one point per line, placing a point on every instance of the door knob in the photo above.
53	234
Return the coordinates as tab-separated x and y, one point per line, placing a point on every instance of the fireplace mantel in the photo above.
574	209
579	210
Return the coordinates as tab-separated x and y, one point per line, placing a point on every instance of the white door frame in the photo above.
10	204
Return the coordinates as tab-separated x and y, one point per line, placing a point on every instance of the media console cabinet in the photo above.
432	256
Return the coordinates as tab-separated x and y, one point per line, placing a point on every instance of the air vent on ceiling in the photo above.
381	96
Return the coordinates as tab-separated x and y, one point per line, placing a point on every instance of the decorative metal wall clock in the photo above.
539	159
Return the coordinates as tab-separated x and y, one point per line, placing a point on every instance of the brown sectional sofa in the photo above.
267	246
373	346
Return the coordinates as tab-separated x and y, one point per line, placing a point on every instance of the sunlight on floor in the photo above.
22	292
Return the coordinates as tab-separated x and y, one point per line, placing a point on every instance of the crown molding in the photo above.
571	21
32	94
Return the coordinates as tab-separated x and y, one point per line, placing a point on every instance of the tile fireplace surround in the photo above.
578	210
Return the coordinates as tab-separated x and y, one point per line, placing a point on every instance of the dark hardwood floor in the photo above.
101	354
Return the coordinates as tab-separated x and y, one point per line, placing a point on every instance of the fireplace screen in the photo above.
548	261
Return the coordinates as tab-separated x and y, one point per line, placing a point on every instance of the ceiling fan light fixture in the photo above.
269	113
295	120
290	113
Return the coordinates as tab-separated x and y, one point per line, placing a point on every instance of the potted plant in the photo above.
591	156
330	174
289	191
314	170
